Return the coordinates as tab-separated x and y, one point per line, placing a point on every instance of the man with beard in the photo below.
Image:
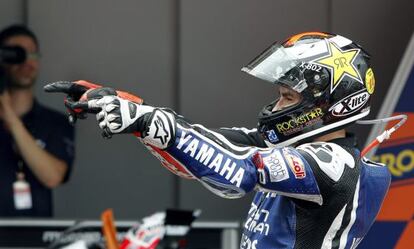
33	160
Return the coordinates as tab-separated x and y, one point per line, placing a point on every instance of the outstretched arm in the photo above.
195	152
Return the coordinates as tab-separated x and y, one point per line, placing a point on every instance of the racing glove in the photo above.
79	92
75	91
120	112
156	126
118	115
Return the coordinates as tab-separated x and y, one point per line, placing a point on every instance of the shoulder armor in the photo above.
330	158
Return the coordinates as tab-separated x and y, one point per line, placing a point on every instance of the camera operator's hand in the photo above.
7	114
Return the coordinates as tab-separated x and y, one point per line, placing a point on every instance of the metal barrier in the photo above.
36	233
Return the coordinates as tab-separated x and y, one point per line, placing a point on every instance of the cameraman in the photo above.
36	143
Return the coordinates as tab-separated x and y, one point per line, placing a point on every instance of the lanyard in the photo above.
20	162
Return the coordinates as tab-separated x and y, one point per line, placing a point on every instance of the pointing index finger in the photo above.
64	87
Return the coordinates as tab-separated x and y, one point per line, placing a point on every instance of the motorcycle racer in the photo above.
313	189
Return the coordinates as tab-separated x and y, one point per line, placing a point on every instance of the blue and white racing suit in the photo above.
315	195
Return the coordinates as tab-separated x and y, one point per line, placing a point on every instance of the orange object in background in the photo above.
406	240
398	205
109	230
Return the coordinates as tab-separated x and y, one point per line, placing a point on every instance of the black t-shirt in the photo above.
52	132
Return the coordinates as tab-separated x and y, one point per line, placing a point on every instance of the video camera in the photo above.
10	55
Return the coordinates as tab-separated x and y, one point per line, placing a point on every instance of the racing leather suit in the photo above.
315	195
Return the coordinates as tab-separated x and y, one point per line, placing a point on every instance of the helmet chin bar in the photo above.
314	133
268	119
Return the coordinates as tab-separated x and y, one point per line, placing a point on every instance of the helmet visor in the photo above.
284	65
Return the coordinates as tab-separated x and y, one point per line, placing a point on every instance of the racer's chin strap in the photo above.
386	134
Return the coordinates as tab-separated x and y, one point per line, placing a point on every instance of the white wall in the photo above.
126	46
11	11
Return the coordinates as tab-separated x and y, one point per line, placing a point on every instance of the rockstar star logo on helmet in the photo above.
340	63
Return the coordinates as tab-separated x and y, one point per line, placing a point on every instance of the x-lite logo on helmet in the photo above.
350	104
340	63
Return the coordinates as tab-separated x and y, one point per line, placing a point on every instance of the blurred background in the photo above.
187	55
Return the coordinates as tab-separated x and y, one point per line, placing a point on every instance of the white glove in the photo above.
119	115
